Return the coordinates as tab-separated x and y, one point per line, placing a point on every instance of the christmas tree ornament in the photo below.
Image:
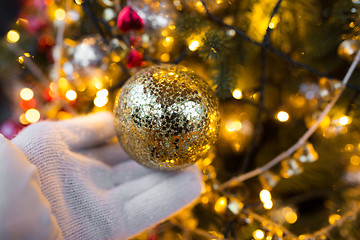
290	167
269	180
166	117
87	53
134	59
306	153
327	88
128	20
228	206
348	48
156	14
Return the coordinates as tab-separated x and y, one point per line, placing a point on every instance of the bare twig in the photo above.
302	140
325	230
263	219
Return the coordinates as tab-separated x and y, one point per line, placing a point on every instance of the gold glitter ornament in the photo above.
166	117
348	48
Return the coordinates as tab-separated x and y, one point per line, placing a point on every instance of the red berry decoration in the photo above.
134	59
129	20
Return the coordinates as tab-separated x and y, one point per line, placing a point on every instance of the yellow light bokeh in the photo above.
233	126
32	115
290	215
258	234
100	101
71	95
355	160
282	116
102	93
237	93
345	120
333	218
22	119
60	14
21	59
268	204
220	205
165	57
194	45
78	2
265	195
13	36
26	94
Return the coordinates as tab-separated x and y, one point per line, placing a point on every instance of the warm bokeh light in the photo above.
345	120
268	205
237	94
265	195
26	94
13	36
32	115
79	2
102	93
233	125
333	218
282	116
165	57
100	101
194	45
71	95
22	119
355	160
289	214
258	234
220	205
60	14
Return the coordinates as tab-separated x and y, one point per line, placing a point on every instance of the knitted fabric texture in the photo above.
94	189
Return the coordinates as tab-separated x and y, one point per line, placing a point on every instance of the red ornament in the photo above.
134	59
129	20
10	128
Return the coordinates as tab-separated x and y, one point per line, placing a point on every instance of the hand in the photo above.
94	189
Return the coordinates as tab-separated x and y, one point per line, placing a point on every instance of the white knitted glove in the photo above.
94	189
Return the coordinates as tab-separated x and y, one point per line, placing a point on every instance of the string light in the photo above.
345	120
268	205
333	218
23	120
13	36
289	214
100	101
60	14
32	115
237	94
194	45
71	95
258	234
26	94
282	116
102	93
220	204
21	59
265	197
233	126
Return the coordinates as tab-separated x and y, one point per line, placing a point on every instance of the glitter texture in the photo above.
166	117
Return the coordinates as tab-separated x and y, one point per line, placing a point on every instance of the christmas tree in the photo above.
286	164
